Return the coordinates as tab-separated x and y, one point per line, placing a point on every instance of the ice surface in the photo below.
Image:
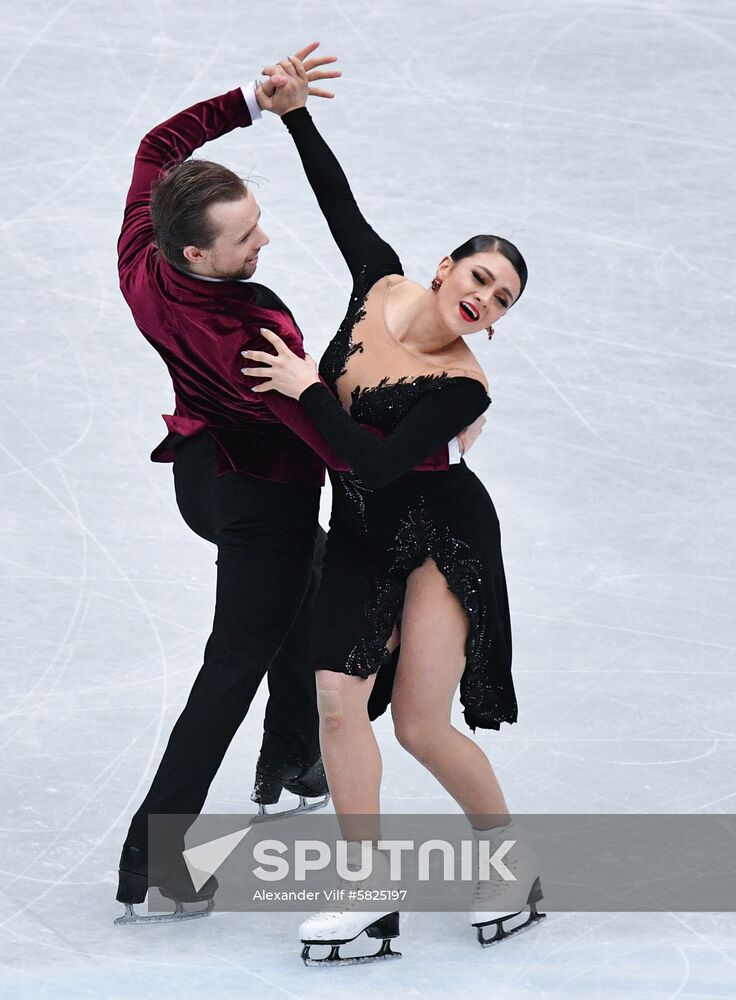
598	136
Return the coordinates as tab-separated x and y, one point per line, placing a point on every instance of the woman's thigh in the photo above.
434	629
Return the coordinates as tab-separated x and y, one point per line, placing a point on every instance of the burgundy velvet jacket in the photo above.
200	327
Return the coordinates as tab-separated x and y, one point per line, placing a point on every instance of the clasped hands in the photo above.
290	81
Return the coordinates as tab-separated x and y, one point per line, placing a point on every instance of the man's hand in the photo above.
289	81
470	435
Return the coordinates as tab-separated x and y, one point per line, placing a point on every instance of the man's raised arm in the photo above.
169	143
178	137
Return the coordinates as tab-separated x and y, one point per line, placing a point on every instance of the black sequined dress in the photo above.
387	520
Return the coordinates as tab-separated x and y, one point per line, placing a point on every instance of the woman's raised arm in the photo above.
367	255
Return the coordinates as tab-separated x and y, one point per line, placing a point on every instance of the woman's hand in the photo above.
287	372
289	81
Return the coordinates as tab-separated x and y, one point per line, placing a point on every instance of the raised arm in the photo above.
178	137
367	255
169	143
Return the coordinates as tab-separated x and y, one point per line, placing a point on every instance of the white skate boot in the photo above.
334	928
497	902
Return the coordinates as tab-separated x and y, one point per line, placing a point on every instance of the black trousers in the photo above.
269	553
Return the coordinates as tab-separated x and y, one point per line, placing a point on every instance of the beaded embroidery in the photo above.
355	490
418	539
341	348
382	406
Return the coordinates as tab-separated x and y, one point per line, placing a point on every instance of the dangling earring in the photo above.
436	284
490	332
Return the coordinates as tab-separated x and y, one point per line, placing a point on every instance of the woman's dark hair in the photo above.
478	244
179	203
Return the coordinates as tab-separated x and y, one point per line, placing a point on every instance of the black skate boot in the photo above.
134	881
308	783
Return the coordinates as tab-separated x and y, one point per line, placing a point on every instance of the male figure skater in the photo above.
248	467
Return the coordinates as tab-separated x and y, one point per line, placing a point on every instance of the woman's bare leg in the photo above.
434	628
350	753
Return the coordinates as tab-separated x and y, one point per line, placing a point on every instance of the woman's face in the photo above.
476	291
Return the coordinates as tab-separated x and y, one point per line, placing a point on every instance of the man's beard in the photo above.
242	274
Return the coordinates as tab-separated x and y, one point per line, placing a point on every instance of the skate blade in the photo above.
178	914
304	806
335	958
500	931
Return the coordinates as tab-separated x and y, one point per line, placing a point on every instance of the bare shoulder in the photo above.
408	285
461	361
464	362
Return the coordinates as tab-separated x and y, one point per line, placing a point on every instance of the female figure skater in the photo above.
410	556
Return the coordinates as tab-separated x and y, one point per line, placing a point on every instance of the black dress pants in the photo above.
269	550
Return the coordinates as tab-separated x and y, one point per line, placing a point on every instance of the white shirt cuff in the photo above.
453	451
249	93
